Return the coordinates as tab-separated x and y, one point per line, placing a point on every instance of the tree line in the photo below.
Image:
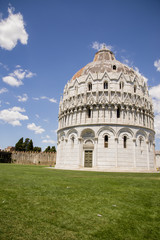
27	146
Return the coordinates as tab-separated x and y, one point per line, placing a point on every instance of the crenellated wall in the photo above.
34	158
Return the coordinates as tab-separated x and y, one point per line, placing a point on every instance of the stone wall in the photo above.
34	158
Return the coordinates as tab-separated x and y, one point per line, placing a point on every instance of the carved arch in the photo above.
72	131
140	132
125	130
105	129
87	133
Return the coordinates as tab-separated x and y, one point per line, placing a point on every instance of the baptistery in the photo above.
106	119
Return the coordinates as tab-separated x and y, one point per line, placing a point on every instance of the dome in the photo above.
105	61
106	118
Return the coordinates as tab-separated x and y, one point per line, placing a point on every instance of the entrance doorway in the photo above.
88	158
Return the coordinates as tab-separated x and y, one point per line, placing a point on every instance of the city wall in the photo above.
48	159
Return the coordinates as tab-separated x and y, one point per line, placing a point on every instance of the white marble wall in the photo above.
136	155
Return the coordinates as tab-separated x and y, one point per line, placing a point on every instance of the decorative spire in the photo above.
104	46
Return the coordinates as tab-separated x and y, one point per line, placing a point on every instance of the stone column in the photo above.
91	107
95	151
147	143
110	112
75	112
138	116
80	152
80	114
97	113
115	114
134	154
127	114
85	113
71	117
103	113
116	152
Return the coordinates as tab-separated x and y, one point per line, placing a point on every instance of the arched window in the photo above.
89	113
125	142
72	141
114	67
118	112
105	85
89	86
140	142
106	141
135	88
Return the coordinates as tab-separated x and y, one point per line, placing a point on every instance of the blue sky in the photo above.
43	43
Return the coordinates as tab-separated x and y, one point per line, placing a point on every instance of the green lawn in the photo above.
41	203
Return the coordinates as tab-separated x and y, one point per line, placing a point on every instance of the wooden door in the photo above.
88	158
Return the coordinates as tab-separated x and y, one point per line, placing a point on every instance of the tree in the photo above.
30	146
37	149
19	145
53	149
26	146
47	149
26	143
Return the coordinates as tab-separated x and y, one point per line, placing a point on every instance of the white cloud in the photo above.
46	120
18	66
155	94
157	125
3	90
34	98
29	74
52	100
15	78
23	98
36	129
43	97
12	81
47	136
48	141
12	29
97	46
19	109
7	103
13	116
18	73
37	116
157	65
4	66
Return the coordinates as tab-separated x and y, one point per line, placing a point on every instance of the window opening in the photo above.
114	67
121	84
89	113
105	85
72	141
135	88
118	112
125	142
90	86
106	141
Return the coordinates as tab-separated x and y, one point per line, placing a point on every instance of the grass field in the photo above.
43	204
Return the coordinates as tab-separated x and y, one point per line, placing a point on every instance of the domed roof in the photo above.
104	61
